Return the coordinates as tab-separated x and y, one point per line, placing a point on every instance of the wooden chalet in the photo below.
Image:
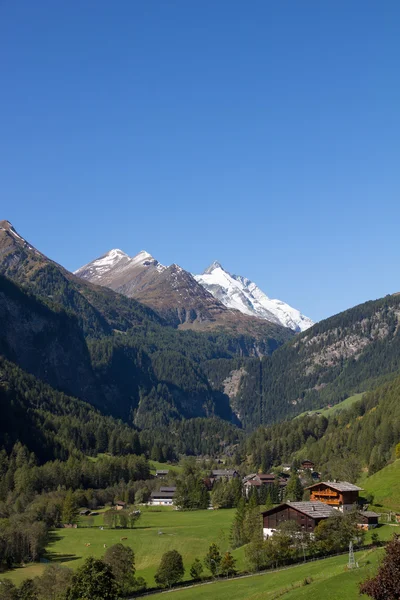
120	505
306	514
307	464
338	494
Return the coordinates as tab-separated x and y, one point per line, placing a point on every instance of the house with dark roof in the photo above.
307	515
259	479
368	519
163	497
162	473
338	494
224	473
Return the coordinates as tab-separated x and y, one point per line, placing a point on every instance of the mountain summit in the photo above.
235	291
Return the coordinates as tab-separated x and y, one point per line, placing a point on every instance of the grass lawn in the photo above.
330	579
385	486
158	466
328	412
190	533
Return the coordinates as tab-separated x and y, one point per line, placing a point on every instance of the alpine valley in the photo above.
202	357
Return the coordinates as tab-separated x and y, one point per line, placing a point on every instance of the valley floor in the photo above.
161	529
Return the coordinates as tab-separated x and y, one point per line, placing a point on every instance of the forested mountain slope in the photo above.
350	352
56	426
110	350
363	436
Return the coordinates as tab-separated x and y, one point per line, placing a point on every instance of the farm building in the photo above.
120	505
338	494
162	473
368	519
306	514
164	497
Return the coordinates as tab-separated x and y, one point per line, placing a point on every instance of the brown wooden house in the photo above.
307	464
339	494
306	514
367	519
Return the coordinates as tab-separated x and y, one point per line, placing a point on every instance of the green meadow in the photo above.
385	486
159	529
329	579
328	412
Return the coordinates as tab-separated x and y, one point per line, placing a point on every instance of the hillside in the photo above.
343	444
385	486
348	353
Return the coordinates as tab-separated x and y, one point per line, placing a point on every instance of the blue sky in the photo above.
262	134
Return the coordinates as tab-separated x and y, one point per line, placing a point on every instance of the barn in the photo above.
306	514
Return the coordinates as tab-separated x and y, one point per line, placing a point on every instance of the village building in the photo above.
367	519
306	514
307	464
262	479
338	494
162	473
120	505
163	497
224	474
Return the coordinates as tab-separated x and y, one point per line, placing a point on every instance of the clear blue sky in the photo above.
264	134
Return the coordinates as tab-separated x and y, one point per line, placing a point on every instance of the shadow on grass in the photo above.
52	557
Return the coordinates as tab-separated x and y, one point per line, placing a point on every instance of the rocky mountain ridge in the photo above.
189	299
238	292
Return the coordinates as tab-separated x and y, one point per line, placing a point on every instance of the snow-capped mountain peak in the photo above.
212	267
242	294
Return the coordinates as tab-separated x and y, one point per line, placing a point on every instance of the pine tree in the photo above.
228	563
69	510
294	489
237	532
213	559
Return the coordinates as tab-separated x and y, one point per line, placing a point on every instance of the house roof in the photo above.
369	513
162	494
315	510
223	472
340	486
162	472
120	503
252	482
167	489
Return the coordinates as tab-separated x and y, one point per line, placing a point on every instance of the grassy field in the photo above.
330	579
158	466
385	486
328	412
159	530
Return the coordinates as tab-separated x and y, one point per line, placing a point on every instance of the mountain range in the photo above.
154	362
185	298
